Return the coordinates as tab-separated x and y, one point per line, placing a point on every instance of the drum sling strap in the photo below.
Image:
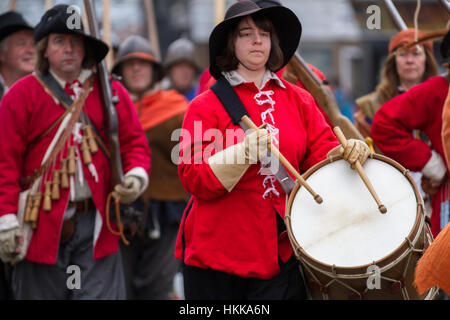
236	110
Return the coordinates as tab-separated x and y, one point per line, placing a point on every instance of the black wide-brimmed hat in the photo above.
11	22
267	3
445	46
60	19
285	22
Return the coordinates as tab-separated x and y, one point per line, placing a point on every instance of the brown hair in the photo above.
227	61
390	81
43	65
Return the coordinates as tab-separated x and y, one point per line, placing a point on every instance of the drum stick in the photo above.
285	162
361	172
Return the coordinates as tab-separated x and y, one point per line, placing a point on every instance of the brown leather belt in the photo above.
68	227
82	206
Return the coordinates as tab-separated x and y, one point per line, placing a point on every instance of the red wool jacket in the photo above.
418	108
236	232
26	112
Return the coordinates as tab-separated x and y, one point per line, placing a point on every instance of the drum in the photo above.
347	248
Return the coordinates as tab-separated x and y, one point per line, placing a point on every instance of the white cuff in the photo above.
435	168
8	222
142	175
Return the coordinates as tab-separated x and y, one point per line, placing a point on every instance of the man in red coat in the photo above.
17	59
418	108
17	52
71	235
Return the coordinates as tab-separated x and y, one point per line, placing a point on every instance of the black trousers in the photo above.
5	285
207	284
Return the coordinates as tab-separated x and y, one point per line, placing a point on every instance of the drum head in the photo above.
347	230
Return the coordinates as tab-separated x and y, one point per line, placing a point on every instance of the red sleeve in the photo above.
134	148
394	122
195	174
13	140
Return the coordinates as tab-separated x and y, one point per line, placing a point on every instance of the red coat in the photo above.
206	80
418	108
26	111
236	232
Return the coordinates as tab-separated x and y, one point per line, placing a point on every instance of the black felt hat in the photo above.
60	19
285	22
11	22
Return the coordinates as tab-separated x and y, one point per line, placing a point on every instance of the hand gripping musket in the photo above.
323	96
107	102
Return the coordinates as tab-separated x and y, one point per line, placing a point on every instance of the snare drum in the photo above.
347	248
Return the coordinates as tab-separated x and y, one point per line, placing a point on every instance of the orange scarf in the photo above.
159	106
433	269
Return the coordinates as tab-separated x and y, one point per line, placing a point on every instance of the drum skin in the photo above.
339	241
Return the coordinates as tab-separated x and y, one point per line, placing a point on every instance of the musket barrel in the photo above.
446	4
107	102
395	15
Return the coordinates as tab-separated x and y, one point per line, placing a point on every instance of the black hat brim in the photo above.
285	22
6	32
157	66
55	21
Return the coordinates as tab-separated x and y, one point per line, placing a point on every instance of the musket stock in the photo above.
323	96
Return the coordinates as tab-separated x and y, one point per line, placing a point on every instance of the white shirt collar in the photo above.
84	74
5	87
234	78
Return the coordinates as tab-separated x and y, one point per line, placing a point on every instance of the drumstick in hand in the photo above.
285	162
361	171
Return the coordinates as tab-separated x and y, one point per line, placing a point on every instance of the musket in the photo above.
106	20
323	96
48	4
12	5
109	109
446	4
219	11
395	15
152	27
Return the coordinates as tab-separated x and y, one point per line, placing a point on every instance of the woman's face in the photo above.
411	64
252	45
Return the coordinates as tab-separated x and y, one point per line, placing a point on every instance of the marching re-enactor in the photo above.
149	263
17	59
70	228
231	238
433	267
418	108
17	52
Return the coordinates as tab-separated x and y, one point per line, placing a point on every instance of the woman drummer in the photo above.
232	238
